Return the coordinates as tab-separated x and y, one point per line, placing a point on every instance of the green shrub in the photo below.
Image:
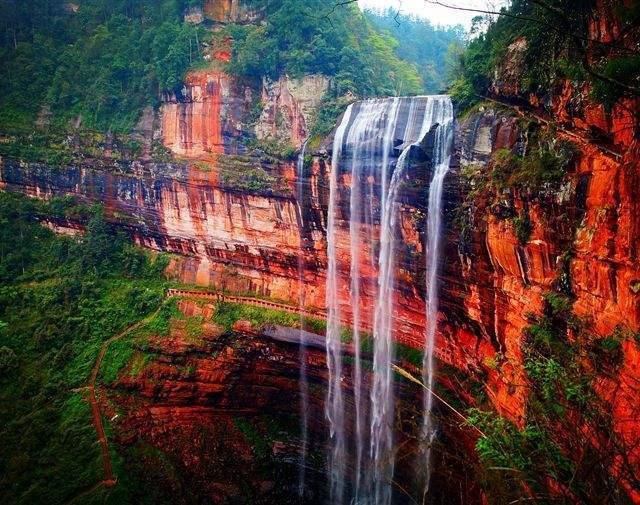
327	117
622	69
529	450
545	165
255	180
607	351
8	362
523	227
276	148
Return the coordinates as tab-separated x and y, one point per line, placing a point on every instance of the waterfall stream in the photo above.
371	150
304	383
441	162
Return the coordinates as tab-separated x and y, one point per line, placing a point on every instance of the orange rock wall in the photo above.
205	118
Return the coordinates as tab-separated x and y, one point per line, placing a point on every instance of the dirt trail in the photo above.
108	479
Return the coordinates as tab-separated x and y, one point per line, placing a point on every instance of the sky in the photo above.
434	13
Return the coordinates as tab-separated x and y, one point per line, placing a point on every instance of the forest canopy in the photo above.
558	45
306	37
102	60
433	49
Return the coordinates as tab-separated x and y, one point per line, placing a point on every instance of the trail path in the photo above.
108	479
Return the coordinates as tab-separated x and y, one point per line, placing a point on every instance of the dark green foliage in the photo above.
544	165
607	352
523	227
562	360
528	450
432	49
8	362
36	147
61	298
261	444
104	61
279	149
297	39
624	69
327	117
253	180
557	46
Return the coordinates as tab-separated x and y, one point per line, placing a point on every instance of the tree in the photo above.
8	361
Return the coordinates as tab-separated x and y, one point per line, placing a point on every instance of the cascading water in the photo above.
365	143
334	406
441	162
304	384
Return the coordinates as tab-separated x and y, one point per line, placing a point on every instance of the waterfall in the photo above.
364	150
304	384
334	406
441	162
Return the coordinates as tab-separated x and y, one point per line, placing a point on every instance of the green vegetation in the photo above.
228	313
545	164
306	37
542	168
330	109
253	179
260	443
102	61
557	46
432	49
523	227
275	148
60	299
539	175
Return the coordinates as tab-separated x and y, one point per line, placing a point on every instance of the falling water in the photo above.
304	384
364	143
441	162
334	406
421	116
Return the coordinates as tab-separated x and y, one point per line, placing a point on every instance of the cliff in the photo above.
546	254
493	282
212	415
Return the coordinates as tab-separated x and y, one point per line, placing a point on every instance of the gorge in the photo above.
301	275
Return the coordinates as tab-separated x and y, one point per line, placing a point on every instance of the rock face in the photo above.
220	411
210	115
225	238
251	240
228	11
289	106
205	118
584	235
